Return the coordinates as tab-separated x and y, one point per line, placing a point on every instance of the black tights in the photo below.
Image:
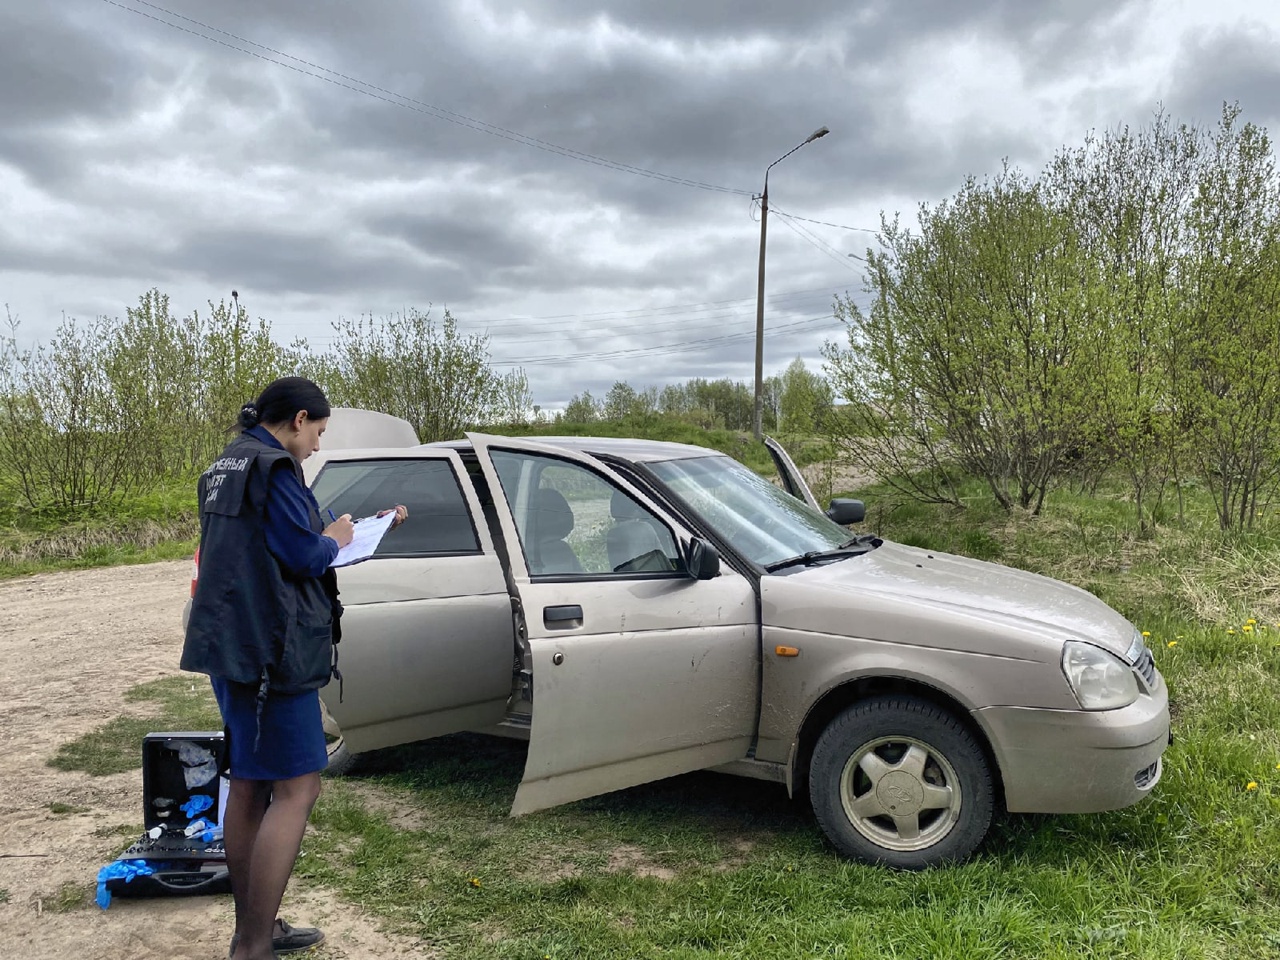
262	829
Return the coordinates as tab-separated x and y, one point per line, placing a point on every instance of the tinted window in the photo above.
439	521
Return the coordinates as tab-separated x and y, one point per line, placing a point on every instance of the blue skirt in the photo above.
290	741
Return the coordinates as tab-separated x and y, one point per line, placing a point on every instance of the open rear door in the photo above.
427	634
639	671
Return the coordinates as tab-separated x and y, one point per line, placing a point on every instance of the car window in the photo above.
439	520
761	521
573	521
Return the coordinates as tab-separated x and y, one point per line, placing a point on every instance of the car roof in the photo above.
627	448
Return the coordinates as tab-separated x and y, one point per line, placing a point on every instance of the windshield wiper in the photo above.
854	547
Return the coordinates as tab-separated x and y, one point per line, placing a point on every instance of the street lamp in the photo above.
764	221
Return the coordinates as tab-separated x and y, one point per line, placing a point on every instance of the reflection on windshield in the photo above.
762	522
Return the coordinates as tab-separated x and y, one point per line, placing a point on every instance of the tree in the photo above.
619	401
66	443
1128	194
581	409
513	400
1228	385
971	353
434	377
805	398
148	360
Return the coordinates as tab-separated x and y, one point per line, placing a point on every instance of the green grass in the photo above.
4	895
156	525
178	703
707	866
65	809
68	897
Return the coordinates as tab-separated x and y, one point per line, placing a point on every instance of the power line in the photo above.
823	223
822	245
675	307
658	350
596	330
688	313
409	103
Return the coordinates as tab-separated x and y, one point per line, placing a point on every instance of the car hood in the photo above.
957	602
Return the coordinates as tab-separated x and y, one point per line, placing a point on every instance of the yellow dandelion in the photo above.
1251	785
1229	630
1251	621
1247	628
1172	643
1146	633
475	882
1278	766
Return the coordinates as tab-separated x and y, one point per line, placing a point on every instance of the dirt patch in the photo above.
71	644
629	859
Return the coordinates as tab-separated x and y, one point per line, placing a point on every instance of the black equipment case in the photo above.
183	780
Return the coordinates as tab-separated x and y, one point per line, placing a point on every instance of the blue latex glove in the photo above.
128	869
198	803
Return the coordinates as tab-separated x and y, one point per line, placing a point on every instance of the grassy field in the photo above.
158	525
707	866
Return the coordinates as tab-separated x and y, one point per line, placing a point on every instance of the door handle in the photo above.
563	617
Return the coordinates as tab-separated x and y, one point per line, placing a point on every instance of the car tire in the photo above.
901	782
341	760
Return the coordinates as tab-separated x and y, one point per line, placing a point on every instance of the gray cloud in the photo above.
133	153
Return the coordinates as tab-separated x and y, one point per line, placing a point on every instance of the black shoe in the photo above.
288	939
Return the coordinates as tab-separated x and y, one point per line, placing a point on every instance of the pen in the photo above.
332	517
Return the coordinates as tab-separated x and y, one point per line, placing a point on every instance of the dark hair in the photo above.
282	400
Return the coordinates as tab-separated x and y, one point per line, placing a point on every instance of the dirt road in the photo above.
70	645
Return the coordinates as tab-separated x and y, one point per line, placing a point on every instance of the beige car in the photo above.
638	609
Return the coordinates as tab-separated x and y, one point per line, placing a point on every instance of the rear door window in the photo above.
439	521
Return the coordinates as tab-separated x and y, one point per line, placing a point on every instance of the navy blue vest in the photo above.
250	622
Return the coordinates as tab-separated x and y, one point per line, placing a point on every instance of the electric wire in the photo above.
376	92
676	314
662	349
809	237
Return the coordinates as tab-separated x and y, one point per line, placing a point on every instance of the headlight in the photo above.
1100	680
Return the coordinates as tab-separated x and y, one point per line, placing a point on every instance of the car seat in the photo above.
633	536
551	521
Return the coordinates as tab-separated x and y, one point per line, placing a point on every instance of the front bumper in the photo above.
1078	761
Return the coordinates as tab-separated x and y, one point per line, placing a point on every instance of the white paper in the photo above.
368	534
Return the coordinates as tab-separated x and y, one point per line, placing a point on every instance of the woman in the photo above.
263	624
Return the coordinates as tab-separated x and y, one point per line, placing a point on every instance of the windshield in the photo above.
762	522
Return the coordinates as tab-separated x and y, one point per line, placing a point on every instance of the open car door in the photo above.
792	479
639	671
428	638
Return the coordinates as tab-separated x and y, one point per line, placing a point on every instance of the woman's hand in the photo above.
402	514
341	530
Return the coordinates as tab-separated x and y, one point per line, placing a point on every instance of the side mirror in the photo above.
844	511
702	560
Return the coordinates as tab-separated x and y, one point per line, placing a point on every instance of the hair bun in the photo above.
249	415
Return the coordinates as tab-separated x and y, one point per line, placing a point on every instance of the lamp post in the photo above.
764	222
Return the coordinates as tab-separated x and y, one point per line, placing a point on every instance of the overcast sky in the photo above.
574	179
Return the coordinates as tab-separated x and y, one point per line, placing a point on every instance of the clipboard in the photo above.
369	532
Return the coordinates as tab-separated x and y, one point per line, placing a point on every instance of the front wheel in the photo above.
901	782
341	760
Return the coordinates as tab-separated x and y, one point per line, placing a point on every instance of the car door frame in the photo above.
793	480
457	604
729	688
